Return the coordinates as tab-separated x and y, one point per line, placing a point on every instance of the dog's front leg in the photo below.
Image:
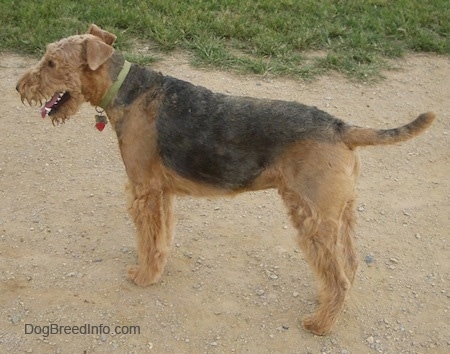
151	210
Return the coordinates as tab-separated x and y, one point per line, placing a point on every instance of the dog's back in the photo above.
227	141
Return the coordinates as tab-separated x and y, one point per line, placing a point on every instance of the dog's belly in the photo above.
218	164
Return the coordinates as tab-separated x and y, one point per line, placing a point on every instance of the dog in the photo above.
179	139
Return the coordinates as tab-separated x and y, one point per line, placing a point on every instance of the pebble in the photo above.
369	259
15	319
295	294
370	340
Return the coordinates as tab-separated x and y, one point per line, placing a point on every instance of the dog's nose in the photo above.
17	87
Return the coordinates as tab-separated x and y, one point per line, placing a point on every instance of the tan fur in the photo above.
316	179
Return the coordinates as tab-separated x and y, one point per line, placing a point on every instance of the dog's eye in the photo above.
51	64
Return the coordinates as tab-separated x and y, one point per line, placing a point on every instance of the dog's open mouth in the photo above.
54	103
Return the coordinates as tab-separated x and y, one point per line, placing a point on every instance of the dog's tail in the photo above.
357	136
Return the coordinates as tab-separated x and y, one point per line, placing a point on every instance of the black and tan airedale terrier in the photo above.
179	139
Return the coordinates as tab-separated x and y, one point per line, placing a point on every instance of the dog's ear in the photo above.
105	36
97	52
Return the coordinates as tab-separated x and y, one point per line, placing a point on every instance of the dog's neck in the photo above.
115	87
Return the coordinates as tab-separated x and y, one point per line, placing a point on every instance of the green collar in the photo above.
116	85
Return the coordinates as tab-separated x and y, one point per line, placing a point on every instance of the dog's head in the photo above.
70	72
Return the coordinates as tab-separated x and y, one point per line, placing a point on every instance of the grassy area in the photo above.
292	37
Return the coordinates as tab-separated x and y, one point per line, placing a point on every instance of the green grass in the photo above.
354	37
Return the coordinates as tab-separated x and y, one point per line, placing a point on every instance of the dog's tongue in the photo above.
48	105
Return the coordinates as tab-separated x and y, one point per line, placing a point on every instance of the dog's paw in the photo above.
313	324
141	278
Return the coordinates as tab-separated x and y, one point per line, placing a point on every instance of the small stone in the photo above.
15	319
369	259
260	292
418	236
370	340
295	294
394	260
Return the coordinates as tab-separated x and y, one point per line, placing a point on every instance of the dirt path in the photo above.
236	281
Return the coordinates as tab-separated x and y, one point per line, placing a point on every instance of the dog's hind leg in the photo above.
151	210
318	239
317	186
